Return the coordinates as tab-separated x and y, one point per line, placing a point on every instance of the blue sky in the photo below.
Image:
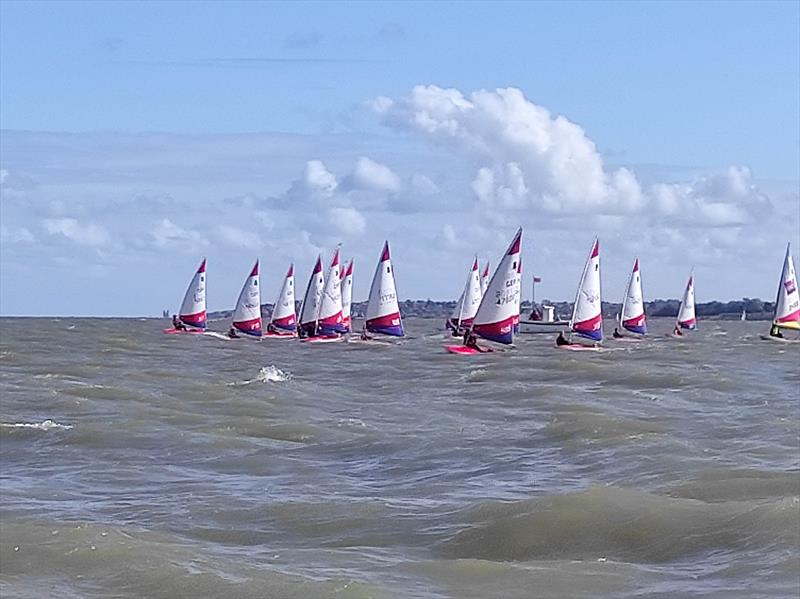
137	137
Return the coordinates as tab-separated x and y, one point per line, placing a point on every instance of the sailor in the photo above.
177	324
561	340
775	332
677	331
232	333
617	334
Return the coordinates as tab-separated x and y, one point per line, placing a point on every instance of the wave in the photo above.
620	524
267	374
45	425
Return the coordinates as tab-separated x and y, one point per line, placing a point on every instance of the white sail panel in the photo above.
247	315
193	307
587	315
383	309
499	306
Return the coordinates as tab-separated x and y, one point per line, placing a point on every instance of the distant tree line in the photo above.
756	309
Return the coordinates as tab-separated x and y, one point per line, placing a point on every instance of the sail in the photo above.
686	316
283	315
467	305
311	301
347	296
633	317
247	315
330	310
193	308
587	317
383	311
787	305
485	278
500	304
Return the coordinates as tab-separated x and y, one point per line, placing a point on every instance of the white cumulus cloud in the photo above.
89	234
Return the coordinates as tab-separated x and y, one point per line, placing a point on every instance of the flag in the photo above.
537	279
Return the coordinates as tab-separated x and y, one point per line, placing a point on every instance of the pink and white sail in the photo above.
587	316
686	315
247	315
632	316
283	312
467	305
485	278
309	312
787	304
383	309
499	307
347	296
330	310
193	307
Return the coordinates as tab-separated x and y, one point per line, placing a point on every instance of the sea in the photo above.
138	464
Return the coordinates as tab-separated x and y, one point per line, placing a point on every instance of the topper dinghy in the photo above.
383	310
587	316
193	308
787	302
283	322
247	315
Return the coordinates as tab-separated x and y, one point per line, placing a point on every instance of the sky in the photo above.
137	138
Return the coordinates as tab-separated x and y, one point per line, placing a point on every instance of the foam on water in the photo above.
46	425
267	374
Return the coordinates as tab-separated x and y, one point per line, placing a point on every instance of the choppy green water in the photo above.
183	466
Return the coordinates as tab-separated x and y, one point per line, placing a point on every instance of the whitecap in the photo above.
267	374
44	426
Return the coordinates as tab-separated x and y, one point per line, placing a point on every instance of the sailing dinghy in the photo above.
309	312
283	322
383	310
587	316
193	308
686	314
632	317
467	305
347	296
329	319
787	303
247	315
499	306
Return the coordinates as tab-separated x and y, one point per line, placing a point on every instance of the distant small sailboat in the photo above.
787	302
587	316
283	323
309	311
467	305
383	310
632	317
485	278
686	314
193	308
347	296
247	315
498	311
743	317
329	320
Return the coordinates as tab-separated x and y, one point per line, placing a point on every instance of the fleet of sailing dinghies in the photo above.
309	312
499	306
329	321
686	316
487	307
587	318
284	321
787	304
347	296
247	315
193	307
383	310
467	305
632	316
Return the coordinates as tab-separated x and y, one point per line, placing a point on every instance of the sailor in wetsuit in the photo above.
617	334
775	332
677	331
561	340
177	324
